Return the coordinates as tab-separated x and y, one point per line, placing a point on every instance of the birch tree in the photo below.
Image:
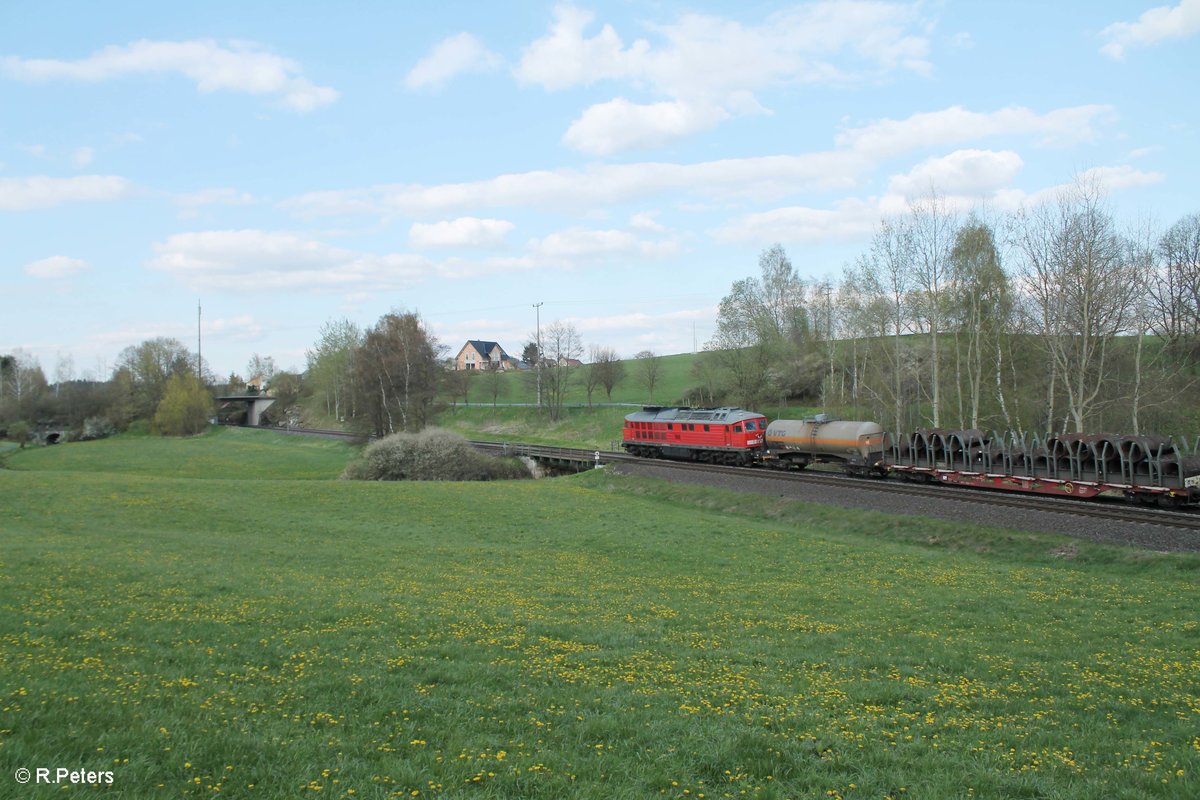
885	277
931	230
1174	290
984	305
396	372
330	366
1081	287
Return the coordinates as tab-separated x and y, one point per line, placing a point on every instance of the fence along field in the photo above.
252	634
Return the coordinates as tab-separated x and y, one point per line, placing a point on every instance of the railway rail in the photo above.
1112	511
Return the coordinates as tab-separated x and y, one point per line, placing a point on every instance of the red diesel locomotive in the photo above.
731	436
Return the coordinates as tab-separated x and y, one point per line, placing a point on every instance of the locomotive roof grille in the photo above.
671	414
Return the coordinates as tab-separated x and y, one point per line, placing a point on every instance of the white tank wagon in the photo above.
859	447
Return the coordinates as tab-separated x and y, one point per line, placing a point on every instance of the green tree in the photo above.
331	366
396	372
143	371
185	408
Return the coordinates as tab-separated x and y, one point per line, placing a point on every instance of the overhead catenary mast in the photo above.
199	358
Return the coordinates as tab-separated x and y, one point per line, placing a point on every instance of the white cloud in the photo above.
646	222
564	58
461	232
1156	25
858	151
956	125
457	267
576	243
255	259
450	57
82	157
41	191
56	267
850	219
973	173
1123	177
238	67
217	196
1109	178
762	177
962	41
710	68
620	125
967	178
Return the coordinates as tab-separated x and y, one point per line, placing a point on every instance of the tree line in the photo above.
1054	318
388	378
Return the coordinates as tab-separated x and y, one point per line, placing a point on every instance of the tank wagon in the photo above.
858	446
728	435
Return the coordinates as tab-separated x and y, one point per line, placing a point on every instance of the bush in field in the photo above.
97	428
432	455
185	408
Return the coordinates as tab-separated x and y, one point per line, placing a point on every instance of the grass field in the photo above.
220	616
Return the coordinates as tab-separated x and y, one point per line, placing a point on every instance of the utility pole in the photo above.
538	309
199	359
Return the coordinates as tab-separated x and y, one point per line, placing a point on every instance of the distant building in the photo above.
478	354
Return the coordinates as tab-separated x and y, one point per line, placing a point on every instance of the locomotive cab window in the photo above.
737	428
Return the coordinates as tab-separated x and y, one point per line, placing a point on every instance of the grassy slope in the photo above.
597	427
284	634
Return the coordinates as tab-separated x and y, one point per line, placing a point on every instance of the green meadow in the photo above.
222	616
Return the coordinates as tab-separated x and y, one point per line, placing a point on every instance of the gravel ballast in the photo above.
856	496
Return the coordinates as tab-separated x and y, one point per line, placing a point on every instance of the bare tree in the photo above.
885	278
494	384
458	382
649	365
1082	287
762	332
931	230
1174	289
261	369
780	294
606	369
561	349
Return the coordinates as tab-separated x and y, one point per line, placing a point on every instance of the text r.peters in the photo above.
64	775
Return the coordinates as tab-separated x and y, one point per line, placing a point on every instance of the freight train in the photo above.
1143	469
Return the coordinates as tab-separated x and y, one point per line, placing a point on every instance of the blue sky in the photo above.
623	163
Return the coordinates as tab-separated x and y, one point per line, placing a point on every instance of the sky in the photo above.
281	165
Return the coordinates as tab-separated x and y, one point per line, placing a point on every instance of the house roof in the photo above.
484	348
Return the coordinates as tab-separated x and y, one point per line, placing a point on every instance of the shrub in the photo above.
19	431
432	455
185	408
97	428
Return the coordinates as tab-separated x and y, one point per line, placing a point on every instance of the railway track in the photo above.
1111	511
